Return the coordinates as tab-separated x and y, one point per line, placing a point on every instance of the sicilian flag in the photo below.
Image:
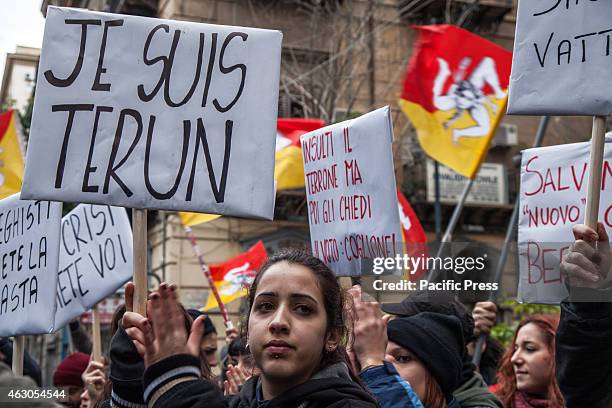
415	241
289	167
455	94
234	277
11	154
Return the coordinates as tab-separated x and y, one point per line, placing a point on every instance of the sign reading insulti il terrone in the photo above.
350	185
150	113
29	248
553	195
561	61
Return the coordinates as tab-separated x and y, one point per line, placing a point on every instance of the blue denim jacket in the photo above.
391	390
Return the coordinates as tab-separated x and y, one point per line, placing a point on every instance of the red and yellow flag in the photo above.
234	277
11	155
289	167
190	219
455	94
413	234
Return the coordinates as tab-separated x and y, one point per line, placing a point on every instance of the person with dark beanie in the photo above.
126	372
414	361
436	341
68	375
473	390
420	364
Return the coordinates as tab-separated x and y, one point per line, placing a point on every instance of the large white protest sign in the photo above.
552	200
561	61
350	185
95	258
29	246
149	113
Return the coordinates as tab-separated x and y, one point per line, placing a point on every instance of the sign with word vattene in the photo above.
553	194
350	185
95	258
29	246
149	113
562	54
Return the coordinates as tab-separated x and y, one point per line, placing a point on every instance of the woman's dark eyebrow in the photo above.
272	294
303	295
293	295
395	349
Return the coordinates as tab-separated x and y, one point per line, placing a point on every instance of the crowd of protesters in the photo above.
308	343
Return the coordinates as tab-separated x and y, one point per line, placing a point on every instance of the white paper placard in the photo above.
95	258
350	185
553	196
29	246
156	114
561	61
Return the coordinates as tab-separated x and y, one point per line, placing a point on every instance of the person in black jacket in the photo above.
295	330
584	356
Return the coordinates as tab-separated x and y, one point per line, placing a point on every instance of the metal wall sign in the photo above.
490	185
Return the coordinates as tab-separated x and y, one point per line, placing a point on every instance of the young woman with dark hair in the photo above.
295	330
527	369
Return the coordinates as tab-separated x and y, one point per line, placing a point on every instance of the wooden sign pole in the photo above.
139	228
95	334
18	351
598	139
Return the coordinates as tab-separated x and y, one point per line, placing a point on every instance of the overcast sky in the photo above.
21	23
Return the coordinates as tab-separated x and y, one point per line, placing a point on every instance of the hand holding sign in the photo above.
94	378
588	263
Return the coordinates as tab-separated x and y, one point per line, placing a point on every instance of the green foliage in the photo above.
504	332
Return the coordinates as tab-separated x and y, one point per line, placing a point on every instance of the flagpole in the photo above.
450	228
18	341
437	207
501	263
206	271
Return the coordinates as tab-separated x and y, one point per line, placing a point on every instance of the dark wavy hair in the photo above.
334	298
506	376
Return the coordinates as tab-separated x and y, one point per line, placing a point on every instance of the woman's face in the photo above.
208	346
408	367
287	324
532	361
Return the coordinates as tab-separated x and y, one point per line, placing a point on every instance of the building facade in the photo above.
19	78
